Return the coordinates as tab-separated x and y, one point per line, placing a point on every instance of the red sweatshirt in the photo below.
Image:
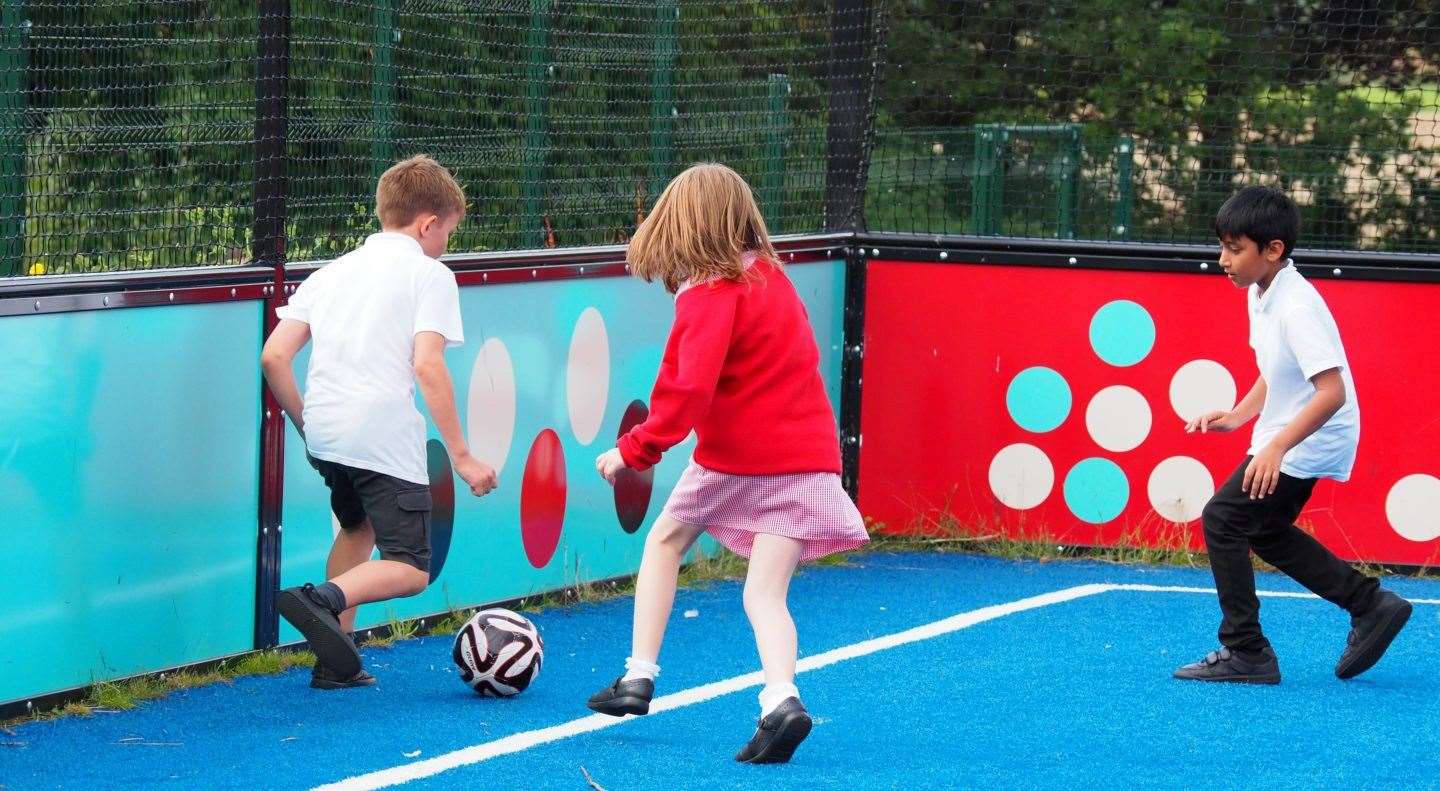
740	368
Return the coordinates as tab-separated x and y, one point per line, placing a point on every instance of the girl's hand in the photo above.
609	464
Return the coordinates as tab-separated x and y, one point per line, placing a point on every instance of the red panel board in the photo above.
944	344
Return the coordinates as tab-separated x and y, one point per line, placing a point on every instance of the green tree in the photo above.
1319	96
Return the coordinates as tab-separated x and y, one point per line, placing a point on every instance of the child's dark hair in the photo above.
1262	214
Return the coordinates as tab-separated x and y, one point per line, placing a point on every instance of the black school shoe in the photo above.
623	697
1371	633
321	628
1225	665
780	732
325	678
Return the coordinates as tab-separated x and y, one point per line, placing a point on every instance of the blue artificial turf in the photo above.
1070	695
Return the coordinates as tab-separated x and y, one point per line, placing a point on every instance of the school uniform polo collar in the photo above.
747	260
391	239
1277	285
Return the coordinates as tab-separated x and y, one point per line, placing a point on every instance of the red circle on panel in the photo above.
632	489
542	498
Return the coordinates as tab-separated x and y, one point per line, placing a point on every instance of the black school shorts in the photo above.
398	510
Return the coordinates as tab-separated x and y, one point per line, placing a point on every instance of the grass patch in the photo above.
705	571
393	632
1163	543
111	696
1153	543
452	622
701	572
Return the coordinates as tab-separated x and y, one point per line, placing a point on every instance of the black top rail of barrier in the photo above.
96	291
1150	256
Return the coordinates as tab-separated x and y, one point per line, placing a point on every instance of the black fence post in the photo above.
852	364
849	85
272	99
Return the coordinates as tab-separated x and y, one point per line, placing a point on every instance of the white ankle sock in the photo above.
775	694
639	668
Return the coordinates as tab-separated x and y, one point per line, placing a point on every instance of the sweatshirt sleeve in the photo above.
689	373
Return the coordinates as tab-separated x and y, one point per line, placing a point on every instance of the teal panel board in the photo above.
575	354
129	478
822	287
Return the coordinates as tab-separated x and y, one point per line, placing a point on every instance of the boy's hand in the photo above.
479	475
1222	422
609	464
1263	473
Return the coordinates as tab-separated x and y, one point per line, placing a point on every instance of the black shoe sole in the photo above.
620	706
332	646
321	683
793	730
1368	654
1267	679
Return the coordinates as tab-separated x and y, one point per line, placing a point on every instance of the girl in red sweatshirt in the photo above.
741	369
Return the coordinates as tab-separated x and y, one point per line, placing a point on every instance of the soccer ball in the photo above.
498	652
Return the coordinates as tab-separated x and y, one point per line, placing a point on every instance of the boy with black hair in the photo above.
1308	428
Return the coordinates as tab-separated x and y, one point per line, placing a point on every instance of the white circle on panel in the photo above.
1021	476
1201	386
1118	418
587	376
1179	488
490	408
1413	507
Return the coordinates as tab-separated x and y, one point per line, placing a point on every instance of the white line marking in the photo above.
1265	594
521	741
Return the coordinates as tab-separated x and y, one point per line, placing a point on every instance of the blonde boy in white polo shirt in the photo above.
381	318
1308	429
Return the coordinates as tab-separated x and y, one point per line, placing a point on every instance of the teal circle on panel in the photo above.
1122	332
1096	490
1038	399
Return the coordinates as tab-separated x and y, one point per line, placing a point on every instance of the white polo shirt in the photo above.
1294	338
364	310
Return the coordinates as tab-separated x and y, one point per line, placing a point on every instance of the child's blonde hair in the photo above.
414	187
701	225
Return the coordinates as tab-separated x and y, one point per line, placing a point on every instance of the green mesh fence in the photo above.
1132	121
125	135
129	132
145	135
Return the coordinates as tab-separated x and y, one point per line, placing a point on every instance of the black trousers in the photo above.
1236	524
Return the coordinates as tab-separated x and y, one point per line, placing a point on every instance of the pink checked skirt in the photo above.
810	507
